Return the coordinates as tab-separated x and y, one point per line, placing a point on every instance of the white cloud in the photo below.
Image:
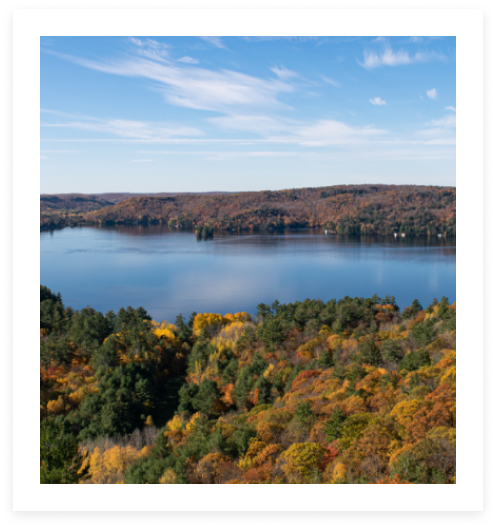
377	101
330	81
330	132
215	41
188	60
452	108
320	133
388	58
283	73
391	58
416	39
150	48
432	94
196	87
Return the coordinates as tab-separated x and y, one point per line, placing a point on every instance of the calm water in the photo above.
171	272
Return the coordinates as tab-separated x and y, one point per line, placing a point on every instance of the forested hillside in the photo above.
347	391
343	209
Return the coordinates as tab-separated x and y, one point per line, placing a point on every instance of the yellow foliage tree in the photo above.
403	412
301	462
268	371
169	477
339	473
227	338
108	466
208	320
56	406
176	424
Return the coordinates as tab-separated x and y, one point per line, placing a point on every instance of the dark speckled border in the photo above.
242	518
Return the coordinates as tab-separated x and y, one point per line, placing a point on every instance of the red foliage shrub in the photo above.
330	454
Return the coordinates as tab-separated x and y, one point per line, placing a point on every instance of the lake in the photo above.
171	272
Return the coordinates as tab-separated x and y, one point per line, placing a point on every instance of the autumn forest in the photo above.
340	392
416	211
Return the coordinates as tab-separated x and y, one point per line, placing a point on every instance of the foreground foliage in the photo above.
348	391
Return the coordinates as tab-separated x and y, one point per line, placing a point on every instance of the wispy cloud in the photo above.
414	151
319	133
195	87
423	137
447	121
432	94
377	101
129	129
388	58
329	132
452	108
440	131
283	72
396	58
330	81
215	41
164	141
270	130
150	48
188	60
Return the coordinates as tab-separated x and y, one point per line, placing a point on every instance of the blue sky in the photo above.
171	114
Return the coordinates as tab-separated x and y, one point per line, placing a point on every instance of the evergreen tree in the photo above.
334	426
60	458
207	399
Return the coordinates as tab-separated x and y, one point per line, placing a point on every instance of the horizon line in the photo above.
145	193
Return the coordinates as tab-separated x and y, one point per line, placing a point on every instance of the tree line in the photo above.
344	209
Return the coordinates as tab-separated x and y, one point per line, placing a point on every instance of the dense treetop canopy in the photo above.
344	391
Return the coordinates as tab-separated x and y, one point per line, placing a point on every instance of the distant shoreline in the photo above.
343	209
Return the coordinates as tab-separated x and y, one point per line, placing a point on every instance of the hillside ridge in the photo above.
343	209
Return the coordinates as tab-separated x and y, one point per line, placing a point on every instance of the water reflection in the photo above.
169	272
